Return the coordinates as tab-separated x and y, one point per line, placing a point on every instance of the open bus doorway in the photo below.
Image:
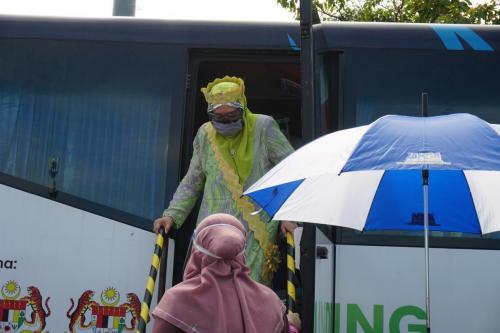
272	87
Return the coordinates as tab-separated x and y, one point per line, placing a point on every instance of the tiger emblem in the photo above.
133	307
85	303
34	300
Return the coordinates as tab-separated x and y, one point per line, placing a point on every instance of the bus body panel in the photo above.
412	36
64	252
383	289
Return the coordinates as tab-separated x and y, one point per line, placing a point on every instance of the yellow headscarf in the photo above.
230	90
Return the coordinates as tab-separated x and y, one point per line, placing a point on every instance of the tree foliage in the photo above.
423	11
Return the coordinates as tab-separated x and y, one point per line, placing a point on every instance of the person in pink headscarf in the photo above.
217	294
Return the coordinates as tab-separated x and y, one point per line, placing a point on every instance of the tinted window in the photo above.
380	82
102	110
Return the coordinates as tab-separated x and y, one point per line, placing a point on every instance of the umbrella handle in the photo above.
150	285
290	272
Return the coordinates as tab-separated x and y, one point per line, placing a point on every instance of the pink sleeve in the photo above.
162	326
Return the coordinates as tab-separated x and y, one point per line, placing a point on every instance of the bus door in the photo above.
272	81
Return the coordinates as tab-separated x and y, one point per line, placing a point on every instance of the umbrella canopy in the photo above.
374	178
369	177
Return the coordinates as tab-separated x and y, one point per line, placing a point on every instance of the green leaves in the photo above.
423	11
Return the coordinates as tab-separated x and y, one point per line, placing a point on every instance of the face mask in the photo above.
229	129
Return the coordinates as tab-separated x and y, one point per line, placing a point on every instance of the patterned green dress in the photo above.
205	176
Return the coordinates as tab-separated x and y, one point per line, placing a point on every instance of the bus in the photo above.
97	119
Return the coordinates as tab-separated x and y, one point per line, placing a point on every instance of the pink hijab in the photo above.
217	294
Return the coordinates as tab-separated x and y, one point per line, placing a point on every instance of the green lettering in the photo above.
355	317
323	317
408	310
337	318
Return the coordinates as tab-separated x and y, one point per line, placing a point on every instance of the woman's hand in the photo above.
165	222
287	226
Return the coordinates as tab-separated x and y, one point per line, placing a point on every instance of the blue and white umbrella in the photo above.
371	178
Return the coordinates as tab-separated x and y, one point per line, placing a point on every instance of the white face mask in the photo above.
228	129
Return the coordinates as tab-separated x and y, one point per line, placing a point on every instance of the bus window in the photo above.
380	82
328	93
101	109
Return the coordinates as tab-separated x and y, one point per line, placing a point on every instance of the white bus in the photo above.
97	118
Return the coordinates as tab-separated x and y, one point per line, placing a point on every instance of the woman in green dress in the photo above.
231	152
